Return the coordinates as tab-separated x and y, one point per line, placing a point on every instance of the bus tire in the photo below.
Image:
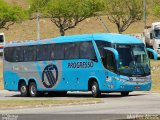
124	93
95	90
23	88
33	89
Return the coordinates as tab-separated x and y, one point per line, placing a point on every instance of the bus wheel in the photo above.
33	89
23	89
125	93
95	90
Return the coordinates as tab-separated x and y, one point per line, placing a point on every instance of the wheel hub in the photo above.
23	89
94	89
33	90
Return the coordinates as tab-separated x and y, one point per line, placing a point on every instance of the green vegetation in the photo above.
42	103
37	5
155	75
66	14
9	14
156	9
123	13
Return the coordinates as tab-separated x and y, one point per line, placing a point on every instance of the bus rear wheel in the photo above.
125	93
95	90
23	88
33	89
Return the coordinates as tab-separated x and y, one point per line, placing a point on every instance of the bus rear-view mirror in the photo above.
114	51
153	52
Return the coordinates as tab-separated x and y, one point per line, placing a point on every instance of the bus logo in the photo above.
50	76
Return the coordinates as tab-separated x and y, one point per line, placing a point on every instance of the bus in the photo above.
100	63
2	42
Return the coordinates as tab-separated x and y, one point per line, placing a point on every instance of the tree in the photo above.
37	6
124	12
10	14
156	9
66	14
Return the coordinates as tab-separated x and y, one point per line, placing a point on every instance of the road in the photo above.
135	103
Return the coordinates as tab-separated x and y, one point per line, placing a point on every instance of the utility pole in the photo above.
38	26
103	23
144	8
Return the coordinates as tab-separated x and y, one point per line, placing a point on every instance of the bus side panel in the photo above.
73	75
76	74
70	75
48	74
13	72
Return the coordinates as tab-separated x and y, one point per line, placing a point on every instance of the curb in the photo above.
51	105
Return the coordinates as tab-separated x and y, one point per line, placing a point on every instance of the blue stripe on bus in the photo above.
38	69
109	37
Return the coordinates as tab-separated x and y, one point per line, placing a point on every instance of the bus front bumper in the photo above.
119	86
135	87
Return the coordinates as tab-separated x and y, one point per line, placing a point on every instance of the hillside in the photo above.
22	3
28	30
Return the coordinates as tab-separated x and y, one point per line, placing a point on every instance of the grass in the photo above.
42	103
155	75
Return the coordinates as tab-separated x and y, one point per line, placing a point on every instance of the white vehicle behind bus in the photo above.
2	43
152	37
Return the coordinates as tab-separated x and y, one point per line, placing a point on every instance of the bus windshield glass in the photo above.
133	60
157	34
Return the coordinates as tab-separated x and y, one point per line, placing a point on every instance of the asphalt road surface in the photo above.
135	103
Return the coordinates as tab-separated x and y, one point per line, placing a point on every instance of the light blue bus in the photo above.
91	62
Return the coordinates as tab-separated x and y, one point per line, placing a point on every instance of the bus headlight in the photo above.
123	80
148	78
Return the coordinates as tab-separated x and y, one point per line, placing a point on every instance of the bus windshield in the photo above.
133	60
157	34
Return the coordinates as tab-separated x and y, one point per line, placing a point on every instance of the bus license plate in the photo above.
137	87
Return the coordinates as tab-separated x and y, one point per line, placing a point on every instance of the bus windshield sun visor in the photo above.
153	52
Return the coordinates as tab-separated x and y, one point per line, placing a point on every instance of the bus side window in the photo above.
87	50
42	53
72	51
57	51
18	54
109	61
8	54
101	44
29	53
